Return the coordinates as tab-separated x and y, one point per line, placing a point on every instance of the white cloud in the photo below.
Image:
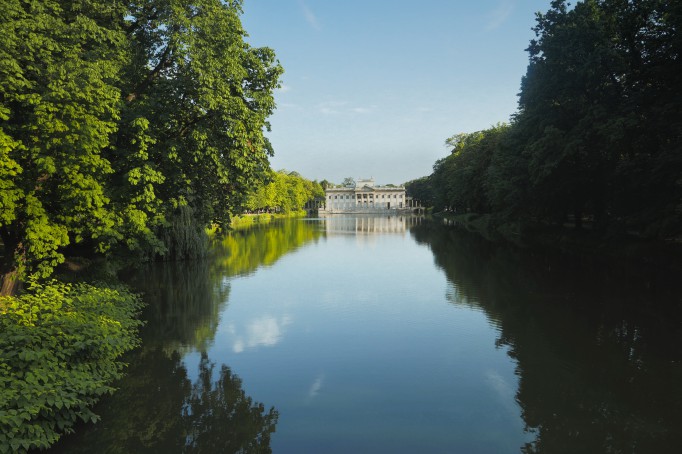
262	332
315	387
342	107
284	88
504	390
310	16
500	14
362	110
331	107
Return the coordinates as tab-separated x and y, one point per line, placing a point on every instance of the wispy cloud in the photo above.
288	105
315	387
309	16
362	110
331	107
284	88
342	107
504	390
500	14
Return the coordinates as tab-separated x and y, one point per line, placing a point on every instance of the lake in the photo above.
397	334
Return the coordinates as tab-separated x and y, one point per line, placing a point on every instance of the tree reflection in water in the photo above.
158	408
220	417
596	342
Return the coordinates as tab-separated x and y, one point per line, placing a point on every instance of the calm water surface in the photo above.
376	334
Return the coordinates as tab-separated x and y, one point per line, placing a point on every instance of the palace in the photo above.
364	197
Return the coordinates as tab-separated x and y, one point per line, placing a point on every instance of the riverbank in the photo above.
247	220
569	240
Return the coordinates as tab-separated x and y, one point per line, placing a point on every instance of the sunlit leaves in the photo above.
59	110
112	117
284	192
59	351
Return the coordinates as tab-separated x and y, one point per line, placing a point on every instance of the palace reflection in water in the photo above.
470	346
369	224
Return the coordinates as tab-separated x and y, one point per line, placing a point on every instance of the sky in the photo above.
373	88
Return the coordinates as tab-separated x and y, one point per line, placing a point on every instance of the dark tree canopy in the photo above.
598	133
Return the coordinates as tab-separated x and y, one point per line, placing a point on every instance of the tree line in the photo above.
598	133
121	120
283	192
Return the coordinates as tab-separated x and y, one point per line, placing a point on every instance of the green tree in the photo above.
197	101
421	190
600	114
59	73
285	191
460	181
597	134
131	123
348	181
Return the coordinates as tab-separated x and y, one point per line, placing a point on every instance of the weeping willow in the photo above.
185	238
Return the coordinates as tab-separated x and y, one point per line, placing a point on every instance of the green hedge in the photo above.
59	350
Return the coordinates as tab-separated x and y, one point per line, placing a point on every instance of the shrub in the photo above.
60	346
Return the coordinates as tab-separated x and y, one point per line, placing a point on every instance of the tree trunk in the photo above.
9	275
11	284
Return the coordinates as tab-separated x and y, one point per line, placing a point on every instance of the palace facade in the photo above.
364	197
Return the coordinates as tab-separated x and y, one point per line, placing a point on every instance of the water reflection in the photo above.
244	251
369	224
159	407
596	342
409	366
184	303
265	331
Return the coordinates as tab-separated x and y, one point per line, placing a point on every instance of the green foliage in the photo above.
60	346
421	190
600	115
286	192
206	95
598	134
461	178
58	110
185	238
114	117
348	182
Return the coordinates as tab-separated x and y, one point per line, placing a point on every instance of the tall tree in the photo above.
206	94
120	122
59	71
599	108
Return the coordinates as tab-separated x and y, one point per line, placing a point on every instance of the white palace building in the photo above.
364	197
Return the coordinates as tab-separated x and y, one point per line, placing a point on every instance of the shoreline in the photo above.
570	241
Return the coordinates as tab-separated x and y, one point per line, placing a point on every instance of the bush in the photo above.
59	350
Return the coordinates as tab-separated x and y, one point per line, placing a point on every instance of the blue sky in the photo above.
373	88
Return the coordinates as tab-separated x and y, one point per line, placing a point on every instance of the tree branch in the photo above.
164	61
